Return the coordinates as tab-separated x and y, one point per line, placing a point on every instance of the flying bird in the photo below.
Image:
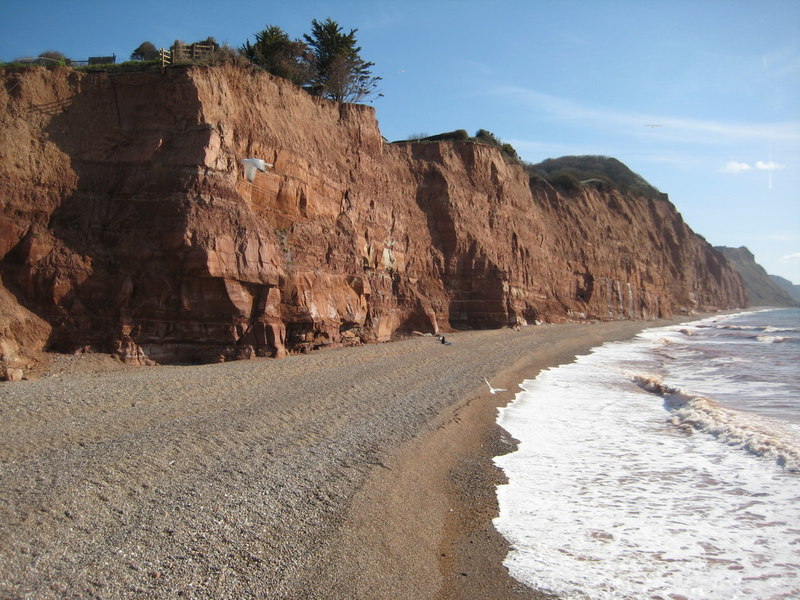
251	165
494	390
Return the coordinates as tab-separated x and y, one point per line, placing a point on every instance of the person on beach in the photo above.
444	341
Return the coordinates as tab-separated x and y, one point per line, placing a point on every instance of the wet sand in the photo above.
349	473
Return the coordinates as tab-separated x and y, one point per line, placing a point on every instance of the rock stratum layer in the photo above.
127	226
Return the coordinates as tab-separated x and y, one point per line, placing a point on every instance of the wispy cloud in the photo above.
736	167
769	166
676	128
791	258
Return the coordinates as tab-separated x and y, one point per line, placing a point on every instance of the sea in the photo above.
666	467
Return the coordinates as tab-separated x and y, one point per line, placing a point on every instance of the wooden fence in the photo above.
185	53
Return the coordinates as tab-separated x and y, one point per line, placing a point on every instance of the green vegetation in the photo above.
572	172
459	135
326	62
48	58
123	67
54	57
482	136
563	180
274	52
487	137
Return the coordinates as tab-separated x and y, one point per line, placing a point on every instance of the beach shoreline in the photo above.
360	471
471	551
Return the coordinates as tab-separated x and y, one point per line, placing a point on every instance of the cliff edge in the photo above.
127	226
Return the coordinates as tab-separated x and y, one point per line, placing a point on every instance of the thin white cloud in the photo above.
769	166
791	258
694	130
781	237
736	167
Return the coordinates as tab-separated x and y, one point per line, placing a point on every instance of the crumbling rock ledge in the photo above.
127	226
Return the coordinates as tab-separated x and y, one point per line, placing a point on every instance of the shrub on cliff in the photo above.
487	137
564	180
53	57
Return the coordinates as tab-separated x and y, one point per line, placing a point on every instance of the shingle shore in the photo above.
235	480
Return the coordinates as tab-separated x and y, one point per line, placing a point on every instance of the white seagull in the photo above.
251	165
494	390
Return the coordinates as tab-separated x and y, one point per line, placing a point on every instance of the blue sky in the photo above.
719	79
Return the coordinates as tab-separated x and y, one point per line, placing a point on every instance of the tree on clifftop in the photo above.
340	72
145	51
274	52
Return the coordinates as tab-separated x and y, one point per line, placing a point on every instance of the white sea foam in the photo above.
771	329
770	439
771	339
611	497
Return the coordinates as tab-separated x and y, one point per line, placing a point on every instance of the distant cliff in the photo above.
761	289
787	286
127	226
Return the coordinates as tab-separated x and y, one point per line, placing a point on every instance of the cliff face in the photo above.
127	226
761	289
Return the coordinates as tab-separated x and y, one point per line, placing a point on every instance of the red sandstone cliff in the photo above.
127	226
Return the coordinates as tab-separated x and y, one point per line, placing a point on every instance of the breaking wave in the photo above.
772	339
738	429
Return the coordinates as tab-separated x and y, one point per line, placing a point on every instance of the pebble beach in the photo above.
361	472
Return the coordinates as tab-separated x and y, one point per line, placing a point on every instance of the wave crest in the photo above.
742	430
771	339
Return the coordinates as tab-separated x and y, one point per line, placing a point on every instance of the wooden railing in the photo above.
191	51
185	53
165	56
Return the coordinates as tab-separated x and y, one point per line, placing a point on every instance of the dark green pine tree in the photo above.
274	52
340	72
